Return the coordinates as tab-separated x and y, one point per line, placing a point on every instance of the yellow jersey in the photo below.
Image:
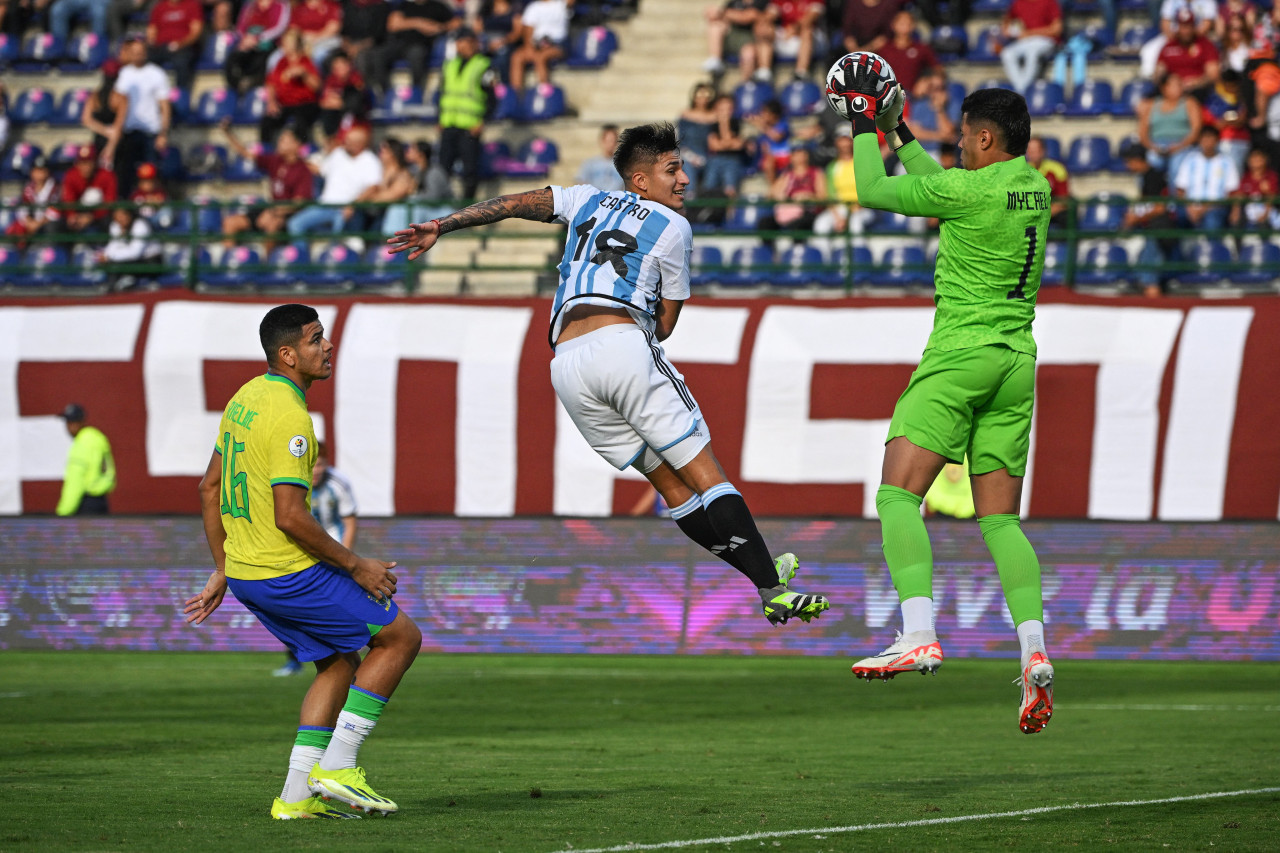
265	439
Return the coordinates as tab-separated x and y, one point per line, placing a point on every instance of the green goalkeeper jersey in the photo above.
991	243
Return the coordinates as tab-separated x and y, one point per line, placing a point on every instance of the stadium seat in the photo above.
251	107
241	168
1104	264
990	6
333	265
750	96
506	106
214	106
8	209
955	94
1094	98
743	217
17	161
1211	258
495	154
902	266
441	50
803	265
534	158
1132	39
591	48
984	49
170	165
9	48
1052	147
1055	263
1133	92
69	108
217	48
180	105
748	266
85	269
890	223
1088	154
206	162
1100	37
32	106
177	265
1261	263
285	266
1117	161
950	42
85	52
399	104
706	264
995	83
208	215
383	269
801	98
542	103
39	52
235	268
64	156
43	266
858	270
1044	99
10	259
1103	212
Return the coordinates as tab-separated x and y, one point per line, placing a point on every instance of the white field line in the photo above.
936	821
1087	707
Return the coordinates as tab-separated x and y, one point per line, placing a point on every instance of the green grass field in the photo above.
139	751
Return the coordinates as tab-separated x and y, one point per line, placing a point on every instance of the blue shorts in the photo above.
317	612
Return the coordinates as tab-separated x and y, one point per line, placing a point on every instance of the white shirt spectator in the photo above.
134	246
345	177
145	87
1207	178
549	19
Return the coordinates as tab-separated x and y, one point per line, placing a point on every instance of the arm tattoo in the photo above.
535	205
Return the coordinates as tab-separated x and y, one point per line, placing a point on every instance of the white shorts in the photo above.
627	400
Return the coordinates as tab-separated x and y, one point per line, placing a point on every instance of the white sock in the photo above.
301	760
348	734
1031	638
917	614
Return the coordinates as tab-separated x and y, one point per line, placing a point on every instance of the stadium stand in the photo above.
543	135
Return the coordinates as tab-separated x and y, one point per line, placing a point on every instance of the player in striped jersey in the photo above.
623	279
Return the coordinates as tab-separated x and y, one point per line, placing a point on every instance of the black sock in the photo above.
697	527
733	525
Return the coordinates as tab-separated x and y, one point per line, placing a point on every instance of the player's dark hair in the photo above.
640	147
283	327
1005	111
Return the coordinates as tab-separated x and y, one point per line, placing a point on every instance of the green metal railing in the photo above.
184	262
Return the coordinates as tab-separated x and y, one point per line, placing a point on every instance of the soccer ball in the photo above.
838	86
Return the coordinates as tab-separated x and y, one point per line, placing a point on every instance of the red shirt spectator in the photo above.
173	20
266	20
148	192
905	53
792	12
865	25
313	17
290	180
1188	61
85	174
289	81
1034	14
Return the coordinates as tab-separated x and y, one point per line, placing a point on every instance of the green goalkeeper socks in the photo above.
906	542
1018	566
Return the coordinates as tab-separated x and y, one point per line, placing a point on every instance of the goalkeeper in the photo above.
973	390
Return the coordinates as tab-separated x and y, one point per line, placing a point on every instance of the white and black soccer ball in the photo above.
841	75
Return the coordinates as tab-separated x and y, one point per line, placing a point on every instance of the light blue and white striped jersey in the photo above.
333	502
621	250
1207	178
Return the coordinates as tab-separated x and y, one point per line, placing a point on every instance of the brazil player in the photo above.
973	390
623	279
319	598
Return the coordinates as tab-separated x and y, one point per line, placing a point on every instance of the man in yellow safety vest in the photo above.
466	83
91	470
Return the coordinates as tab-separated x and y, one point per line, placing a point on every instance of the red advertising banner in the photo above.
1146	410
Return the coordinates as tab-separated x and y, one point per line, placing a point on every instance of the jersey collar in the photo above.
276	377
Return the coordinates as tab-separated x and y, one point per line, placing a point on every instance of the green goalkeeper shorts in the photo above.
977	401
